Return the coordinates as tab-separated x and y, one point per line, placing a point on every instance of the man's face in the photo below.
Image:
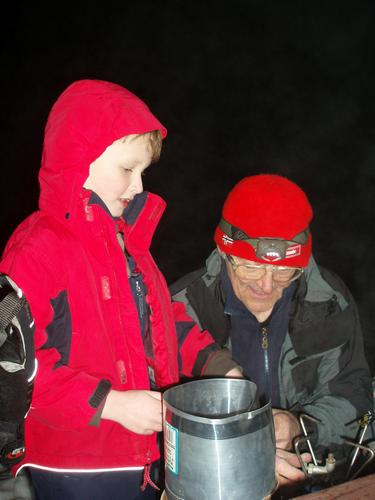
116	176
258	295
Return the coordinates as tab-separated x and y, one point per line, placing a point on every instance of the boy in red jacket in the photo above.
107	336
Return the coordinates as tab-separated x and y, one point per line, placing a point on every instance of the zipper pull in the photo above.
121	370
264	337
146	475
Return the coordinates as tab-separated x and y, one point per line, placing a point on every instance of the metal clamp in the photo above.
363	423
313	468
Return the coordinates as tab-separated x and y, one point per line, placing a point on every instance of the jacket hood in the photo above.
86	118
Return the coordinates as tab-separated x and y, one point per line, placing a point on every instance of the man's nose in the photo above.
266	282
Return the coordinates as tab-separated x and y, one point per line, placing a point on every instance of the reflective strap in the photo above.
10	307
237	234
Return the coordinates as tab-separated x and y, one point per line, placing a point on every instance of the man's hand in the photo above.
234	373
288	467
287	427
138	411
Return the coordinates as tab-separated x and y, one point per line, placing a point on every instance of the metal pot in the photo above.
218	443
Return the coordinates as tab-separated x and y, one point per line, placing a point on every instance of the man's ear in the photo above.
222	254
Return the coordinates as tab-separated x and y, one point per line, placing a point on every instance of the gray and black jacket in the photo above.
322	367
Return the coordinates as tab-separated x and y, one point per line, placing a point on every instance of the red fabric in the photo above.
69	245
266	206
188	356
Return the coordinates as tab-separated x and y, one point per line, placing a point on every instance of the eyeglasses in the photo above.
254	271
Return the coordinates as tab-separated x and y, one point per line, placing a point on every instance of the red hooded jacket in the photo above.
67	260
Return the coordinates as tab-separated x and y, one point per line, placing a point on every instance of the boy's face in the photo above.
116	176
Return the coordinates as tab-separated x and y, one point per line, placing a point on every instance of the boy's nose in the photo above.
137	185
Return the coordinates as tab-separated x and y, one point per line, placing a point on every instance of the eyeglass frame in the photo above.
235	266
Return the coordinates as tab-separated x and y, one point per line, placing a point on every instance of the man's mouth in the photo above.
259	293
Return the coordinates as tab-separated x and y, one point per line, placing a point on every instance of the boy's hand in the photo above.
138	411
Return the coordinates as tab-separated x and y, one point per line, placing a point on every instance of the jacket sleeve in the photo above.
199	354
66	398
336	387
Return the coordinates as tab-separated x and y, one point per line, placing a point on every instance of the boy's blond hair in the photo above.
155	140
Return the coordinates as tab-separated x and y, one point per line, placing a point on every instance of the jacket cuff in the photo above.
95	421
100	393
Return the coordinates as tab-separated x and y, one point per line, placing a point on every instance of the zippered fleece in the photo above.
322	367
67	260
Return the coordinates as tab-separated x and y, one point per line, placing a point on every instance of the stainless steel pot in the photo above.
218	443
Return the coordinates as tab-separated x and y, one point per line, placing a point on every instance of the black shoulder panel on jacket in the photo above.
186	280
320	326
315	330
209	310
59	331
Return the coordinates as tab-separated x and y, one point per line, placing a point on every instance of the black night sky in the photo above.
243	87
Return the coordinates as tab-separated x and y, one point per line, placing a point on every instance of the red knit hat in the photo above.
266	219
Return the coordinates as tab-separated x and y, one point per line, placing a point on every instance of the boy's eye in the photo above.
131	170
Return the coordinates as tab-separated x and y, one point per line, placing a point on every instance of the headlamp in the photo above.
268	249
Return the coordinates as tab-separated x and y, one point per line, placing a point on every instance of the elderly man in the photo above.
291	325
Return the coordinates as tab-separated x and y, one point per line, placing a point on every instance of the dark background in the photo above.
243	87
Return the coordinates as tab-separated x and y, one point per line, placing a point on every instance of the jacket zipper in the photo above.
265	342
140	298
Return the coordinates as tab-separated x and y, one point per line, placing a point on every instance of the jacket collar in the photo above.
137	224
